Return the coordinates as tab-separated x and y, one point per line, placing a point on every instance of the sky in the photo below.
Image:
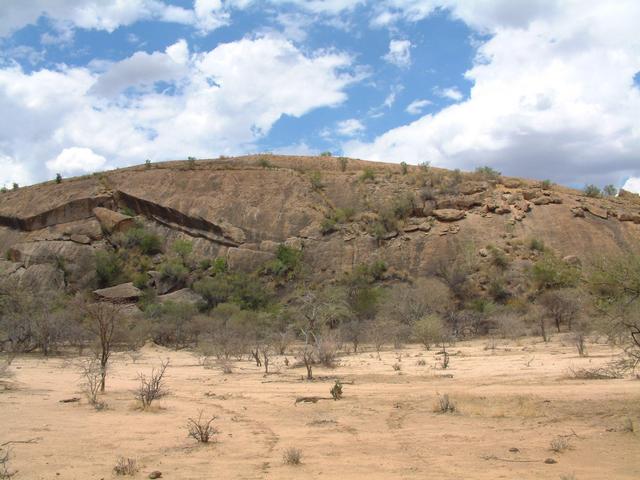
546	89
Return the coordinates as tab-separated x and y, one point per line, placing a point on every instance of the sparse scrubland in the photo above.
501	359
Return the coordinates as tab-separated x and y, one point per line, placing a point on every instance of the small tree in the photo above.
58	178
105	323
610	190
592	191
429	330
404	168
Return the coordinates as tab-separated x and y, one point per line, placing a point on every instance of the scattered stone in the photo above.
514	450
550	461
82	239
577	211
483	252
155	474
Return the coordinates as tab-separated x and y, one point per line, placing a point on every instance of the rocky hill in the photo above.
339	212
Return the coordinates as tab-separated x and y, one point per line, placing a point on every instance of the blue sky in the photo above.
537	88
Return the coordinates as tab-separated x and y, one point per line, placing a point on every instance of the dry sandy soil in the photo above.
385	427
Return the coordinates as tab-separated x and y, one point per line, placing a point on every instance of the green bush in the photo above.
425	166
15	186
182	248
328	225
429	330
148	242
287	263
58	178
108	268
368	174
487	173
264	163
404	168
403	206
545	184
498	257
326	154
140	280
147	164
552	272
592	191
174	270
536	245
316	181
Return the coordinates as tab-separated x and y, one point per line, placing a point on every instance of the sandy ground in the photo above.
385	427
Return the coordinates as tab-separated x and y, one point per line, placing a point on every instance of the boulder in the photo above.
113	222
79	238
546	200
184	295
629	217
40	278
469	188
429	207
294	242
123	293
511	182
245	260
597	211
449	214
269	246
577	211
464	202
627	195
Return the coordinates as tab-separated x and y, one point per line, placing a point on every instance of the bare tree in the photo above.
562	306
202	429
153	387
105	322
91	373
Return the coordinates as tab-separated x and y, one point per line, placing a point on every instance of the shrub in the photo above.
404	168
445	404
316	181
147	164
126	466
342	162
182	248
368	174
152	388
202	429
396	367
292	456
545	184
425	166
191	162
328	225
336	390
403	206
264	163
326	154
15	186
287	263
552	272
536	245
108	268
592	191
559	444
140	280
498	257
487	173
58	178
148	242
427	193
91	374
174	270
3	190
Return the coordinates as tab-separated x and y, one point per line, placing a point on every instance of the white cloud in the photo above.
225	100
399	53
452	93
552	94
143	70
75	160
632	185
350	128
417	106
12	171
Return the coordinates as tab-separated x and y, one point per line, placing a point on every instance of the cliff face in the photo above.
242	208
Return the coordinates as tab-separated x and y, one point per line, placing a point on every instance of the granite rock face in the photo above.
236	210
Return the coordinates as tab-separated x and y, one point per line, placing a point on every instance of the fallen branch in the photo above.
310	399
31	440
514	460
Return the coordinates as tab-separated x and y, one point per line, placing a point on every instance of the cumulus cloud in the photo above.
399	53
417	106
350	128
75	160
632	185
227	99
552	94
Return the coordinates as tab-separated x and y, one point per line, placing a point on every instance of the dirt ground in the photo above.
518	396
